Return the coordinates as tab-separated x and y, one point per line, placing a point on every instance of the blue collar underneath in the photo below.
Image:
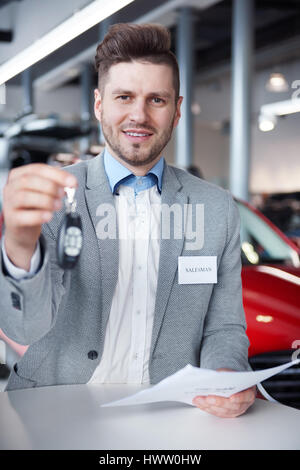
118	174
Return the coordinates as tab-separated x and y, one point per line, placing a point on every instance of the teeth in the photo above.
135	134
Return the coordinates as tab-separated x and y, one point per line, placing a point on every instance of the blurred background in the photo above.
46	110
240	78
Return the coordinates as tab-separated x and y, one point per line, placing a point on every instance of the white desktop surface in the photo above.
70	417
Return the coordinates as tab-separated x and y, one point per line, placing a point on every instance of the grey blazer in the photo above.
62	315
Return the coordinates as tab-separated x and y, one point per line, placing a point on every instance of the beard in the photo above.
135	154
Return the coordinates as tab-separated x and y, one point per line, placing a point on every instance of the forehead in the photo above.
140	77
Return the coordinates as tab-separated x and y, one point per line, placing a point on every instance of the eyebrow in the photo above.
163	94
120	91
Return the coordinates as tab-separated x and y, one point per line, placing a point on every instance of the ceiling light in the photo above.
277	83
77	24
196	109
269	112
266	122
281	108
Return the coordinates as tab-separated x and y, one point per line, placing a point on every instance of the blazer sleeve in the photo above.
29	306
225	343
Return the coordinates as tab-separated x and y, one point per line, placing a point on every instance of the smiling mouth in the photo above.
138	137
137	134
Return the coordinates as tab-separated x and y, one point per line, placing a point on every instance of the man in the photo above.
126	313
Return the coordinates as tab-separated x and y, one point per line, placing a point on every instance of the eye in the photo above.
123	97
157	100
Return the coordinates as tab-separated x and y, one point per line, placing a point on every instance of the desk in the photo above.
70	417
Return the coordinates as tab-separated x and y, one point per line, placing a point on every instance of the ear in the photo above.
97	104
177	112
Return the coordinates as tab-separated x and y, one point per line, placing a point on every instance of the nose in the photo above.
138	111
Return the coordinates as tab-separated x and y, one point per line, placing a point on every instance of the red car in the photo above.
271	295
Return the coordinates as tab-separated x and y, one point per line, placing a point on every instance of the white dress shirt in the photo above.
127	342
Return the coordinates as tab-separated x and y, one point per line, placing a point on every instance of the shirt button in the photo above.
136	356
92	355
138	312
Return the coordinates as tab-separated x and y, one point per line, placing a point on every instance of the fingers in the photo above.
30	197
245	396
223	412
35	186
223	407
43	171
227	413
34	200
33	218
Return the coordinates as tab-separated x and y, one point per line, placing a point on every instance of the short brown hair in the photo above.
125	42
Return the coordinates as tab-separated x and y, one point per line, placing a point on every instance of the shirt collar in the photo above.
116	172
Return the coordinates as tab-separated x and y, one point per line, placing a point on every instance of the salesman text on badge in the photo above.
197	270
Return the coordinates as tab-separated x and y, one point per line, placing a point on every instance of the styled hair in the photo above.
125	42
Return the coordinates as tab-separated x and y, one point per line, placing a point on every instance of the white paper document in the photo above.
191	381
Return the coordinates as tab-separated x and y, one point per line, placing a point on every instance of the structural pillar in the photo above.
86	91
240	138
185	56
27	88
103	27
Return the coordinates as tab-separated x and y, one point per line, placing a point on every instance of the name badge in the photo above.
197	270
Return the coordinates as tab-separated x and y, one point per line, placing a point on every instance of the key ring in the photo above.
70	201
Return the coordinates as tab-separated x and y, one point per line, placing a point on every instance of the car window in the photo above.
260	243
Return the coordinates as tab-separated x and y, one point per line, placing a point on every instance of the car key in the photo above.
69	241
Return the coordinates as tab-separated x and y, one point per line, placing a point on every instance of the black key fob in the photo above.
69	241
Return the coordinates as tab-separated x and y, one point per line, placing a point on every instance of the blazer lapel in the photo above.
170	248
98	192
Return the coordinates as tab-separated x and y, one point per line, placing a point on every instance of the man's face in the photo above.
137	111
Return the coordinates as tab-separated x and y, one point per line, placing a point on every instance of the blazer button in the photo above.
92	355
16	301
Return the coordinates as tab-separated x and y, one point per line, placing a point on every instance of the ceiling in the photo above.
277	35
276	27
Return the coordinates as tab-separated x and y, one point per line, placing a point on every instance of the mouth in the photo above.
138	135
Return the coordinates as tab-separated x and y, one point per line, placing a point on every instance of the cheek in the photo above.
166	122
166	118
113	117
